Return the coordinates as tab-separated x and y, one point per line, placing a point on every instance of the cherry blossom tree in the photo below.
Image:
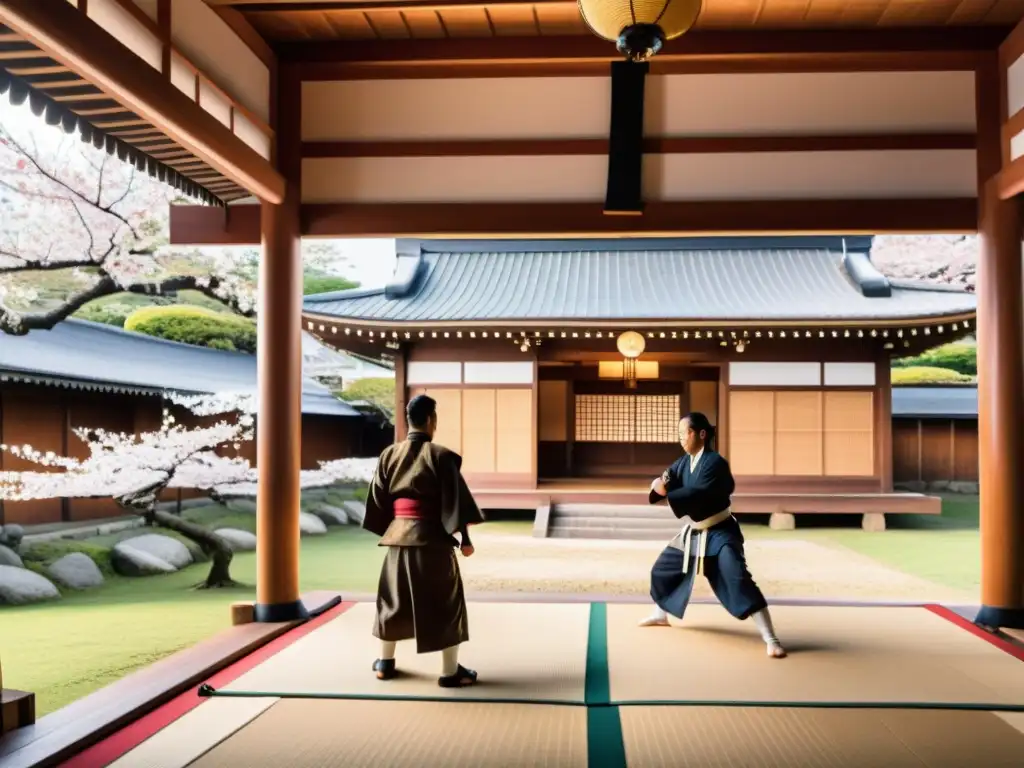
134	469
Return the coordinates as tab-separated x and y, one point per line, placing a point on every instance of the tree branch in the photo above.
18	324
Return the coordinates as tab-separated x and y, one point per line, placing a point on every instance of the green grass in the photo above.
67	649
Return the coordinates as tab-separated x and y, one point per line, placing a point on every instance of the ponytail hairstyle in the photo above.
699	423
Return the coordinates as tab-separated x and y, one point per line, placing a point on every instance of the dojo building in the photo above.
561	368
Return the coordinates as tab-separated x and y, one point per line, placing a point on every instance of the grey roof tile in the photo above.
96	356
935	402
717	280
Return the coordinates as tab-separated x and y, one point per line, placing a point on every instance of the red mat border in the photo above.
126	739
954	618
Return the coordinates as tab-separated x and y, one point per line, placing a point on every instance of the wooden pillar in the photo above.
279	374
883	425
1001	411
401	393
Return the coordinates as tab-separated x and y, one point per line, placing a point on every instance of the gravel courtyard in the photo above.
788	567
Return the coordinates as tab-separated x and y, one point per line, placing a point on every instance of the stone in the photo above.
913	486
238	540
129	561
873	521
963	486
248	506
10	557
330	514
782	521
76	570
356	511
11	536
171	551
311	525
20	586
938	485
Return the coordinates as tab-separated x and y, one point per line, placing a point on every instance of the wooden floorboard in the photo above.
67	731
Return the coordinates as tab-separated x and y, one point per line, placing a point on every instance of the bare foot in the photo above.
654	621
776	651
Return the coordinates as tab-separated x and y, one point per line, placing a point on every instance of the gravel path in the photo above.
789	568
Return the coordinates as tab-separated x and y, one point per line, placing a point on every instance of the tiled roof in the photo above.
700	279
935	402
87	355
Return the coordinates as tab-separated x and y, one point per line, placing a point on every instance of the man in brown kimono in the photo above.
417	501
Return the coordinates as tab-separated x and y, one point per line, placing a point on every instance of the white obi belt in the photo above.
683	541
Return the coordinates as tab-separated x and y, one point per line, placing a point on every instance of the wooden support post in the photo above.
401	393
279	375
1001	411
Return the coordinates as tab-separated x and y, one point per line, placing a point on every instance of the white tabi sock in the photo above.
659	614
387	650
450	661
763	620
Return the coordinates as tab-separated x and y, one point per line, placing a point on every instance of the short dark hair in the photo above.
419	410
699	422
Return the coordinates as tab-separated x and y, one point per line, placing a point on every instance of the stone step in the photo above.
634	534
669	524
626	511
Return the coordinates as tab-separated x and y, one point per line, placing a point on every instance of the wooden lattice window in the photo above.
627	418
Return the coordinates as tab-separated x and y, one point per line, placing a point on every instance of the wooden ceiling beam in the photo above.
707	45
77	42
239	225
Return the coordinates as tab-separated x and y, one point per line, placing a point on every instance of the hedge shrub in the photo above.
962	358
195	325
928	375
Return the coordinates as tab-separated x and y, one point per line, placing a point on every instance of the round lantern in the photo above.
631	345
639	28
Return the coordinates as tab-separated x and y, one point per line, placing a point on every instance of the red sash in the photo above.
413	509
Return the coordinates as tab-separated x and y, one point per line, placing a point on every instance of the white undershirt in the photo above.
695	459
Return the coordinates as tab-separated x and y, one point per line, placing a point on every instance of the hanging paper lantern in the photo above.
639	28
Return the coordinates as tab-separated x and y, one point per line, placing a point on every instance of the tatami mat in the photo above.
194	733
521	651
837	654
742	737
303	733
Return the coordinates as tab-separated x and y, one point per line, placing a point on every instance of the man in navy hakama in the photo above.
698	488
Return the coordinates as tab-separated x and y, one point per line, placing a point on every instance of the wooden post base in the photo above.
18	709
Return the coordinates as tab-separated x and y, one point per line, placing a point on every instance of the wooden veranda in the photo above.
489	118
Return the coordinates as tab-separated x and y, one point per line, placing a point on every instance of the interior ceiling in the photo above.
300	20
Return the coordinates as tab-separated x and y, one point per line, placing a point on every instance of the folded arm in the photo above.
712	488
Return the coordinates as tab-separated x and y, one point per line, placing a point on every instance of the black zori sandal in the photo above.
385	669
460	679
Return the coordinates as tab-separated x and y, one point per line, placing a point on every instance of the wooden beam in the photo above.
248	35
899	48
660	218
652	146
206	225
201	225
83	46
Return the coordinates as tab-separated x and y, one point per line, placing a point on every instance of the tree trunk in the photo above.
144	502
215	547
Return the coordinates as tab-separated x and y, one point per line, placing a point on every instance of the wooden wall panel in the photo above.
798	425
666	178
577	107
965	446
906	451
553	409
936	450
703	398
479	431
449	418
33	416
752	433
515	432
849	434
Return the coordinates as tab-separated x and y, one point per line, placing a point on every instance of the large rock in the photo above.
238	540
356	511
962	486
171	551
11	536
10	557
129	561
311	525
20	586
330	514
77	571
247	506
